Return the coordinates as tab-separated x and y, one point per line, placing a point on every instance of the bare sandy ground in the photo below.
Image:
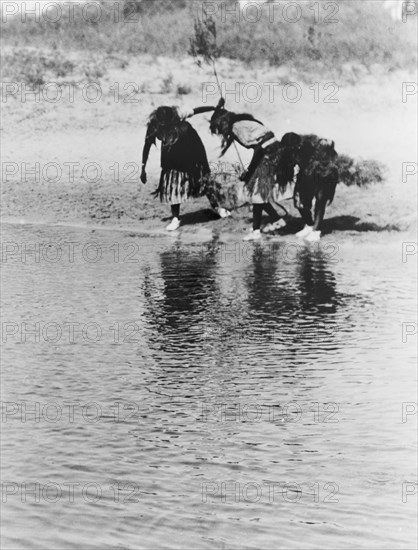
368	120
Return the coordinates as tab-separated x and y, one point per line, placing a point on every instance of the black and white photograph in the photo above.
209	274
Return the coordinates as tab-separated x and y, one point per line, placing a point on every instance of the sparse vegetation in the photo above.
364	34
34	67
183	89
167	84
360	172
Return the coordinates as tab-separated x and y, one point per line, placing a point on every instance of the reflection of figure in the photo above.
286	295
189	284
317	285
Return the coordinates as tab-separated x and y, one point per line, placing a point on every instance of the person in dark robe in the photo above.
185	171
308	162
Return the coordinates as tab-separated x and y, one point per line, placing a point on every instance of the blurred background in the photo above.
367	33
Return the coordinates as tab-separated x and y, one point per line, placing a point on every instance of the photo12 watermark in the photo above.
409	329
70	332
409	169
72	12
74	252
71	171
409	249
253	412
254	11
229	331
409	409
286	252
271	92
409	490
71	92
114	252
68	412
409	89
69	492
270	492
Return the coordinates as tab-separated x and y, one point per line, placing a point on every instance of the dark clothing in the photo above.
316	158
184	164
309	156
258	214
265	175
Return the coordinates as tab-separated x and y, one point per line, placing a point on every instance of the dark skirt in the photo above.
274	169
177	186
184	165
319	173
310	163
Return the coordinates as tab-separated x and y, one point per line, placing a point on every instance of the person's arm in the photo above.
208	109
257	156
200	110
227	144
149	140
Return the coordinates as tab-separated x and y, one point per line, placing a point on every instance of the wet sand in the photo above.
369	121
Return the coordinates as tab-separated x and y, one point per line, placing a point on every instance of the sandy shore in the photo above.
91	151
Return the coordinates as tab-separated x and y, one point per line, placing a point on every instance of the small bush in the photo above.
167	84
359	172
34	68
94	70
183	89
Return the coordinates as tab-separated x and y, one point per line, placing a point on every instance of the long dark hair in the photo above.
163	123
222	123
164	116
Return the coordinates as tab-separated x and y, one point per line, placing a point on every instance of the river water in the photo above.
177	392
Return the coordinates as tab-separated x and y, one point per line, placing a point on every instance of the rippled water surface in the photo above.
238	397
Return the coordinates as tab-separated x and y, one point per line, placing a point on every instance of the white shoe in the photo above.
175	224
254	235
313	237
305	231
223	212
274	226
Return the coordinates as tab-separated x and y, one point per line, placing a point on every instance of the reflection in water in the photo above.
279	294
223	320
271	329
185	290
317	284
296	300
282	287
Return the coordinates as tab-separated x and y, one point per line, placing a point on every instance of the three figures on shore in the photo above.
185	172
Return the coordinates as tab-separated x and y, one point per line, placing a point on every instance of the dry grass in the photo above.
363	37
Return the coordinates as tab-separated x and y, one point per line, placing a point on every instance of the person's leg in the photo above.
305	208
222	212
257	202
277	220
320	206
255	234
271	211
175	222
175	210
257	215
213	202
